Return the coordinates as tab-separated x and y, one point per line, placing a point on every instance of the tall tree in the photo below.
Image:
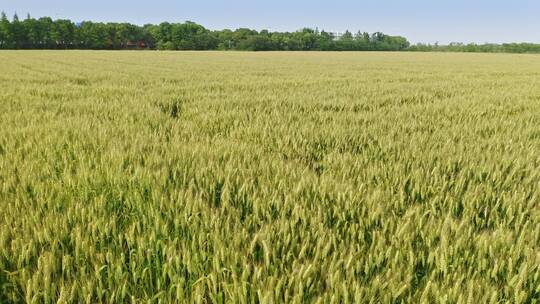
17	32
64	34
31	27
5	38
46	33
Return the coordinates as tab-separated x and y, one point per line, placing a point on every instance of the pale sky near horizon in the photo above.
432	21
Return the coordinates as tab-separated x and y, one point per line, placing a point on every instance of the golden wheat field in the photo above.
235	177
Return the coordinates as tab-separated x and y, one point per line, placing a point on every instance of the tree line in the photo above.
46	33
478	48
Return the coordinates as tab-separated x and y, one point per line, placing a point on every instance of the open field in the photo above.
274	177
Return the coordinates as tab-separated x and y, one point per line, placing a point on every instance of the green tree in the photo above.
94	35
50	34
17	32
166	46
5	37
346	42
31	29
63	33
225	39
46	33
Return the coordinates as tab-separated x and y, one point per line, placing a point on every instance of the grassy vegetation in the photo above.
269	177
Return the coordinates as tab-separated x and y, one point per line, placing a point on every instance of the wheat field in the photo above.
235	177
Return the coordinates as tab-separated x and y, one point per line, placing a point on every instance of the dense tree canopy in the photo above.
478	48
46	33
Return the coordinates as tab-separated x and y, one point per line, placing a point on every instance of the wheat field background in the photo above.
232	177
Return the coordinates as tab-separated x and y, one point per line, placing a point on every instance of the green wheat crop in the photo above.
223	177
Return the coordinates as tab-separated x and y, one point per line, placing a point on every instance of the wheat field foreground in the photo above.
223	177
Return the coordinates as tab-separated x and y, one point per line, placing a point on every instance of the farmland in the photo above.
236	177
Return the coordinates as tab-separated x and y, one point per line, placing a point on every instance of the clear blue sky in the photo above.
419	20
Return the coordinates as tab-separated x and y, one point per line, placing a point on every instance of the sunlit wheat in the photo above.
230	177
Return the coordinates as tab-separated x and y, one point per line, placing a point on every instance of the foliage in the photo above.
45	33
234	177
478	48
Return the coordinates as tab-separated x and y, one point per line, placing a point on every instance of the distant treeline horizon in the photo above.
46	33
